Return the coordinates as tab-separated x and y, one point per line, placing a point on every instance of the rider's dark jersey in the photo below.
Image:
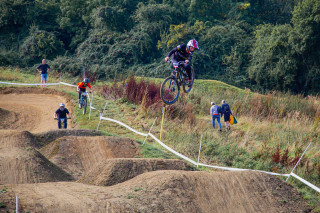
62	113
180	53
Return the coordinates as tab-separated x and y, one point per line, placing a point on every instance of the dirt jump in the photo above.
78	170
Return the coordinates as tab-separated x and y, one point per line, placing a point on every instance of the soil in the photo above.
77	170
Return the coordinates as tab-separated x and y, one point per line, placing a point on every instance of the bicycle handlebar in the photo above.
57	118
179	62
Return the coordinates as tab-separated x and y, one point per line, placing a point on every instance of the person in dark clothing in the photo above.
43	70
61	114
184	53
226	112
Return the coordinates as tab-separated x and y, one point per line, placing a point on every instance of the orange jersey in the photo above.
80	85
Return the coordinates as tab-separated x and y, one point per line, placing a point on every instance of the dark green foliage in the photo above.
41	44
261	44
287	56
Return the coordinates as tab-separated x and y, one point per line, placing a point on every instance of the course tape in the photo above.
237	169
306	182
2	82
171	150
122	124
184	157
68	84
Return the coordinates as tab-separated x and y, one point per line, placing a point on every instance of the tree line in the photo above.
260	44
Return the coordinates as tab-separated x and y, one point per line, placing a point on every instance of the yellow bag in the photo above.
231	120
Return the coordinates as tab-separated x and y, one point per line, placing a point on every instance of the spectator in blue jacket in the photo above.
215	114
226	112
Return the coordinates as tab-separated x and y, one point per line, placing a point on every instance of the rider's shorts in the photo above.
44	77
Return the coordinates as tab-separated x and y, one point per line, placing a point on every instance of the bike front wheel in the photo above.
170	90
187	87
84	106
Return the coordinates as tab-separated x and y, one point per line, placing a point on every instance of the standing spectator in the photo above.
215	114
226	112
43	70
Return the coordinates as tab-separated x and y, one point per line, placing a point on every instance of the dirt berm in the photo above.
166	191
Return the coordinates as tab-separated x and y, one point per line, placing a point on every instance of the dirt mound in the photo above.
114	171
31	109
47	137
20	162
165	191
78	155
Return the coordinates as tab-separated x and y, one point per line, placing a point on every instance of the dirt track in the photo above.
30	112
79	171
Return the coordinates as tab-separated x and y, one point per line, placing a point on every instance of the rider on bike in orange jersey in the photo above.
184	53
82	87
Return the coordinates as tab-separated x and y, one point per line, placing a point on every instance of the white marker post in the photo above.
298	162
17	204
101	115
60	79
150	130
90	105
199	151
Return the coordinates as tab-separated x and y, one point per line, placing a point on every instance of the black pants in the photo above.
64	124
187	67
81	91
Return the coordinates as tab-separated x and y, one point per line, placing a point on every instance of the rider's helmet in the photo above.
192	43
86	80
212	103
62	106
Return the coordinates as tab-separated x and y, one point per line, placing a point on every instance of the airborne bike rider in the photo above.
82	87
184	53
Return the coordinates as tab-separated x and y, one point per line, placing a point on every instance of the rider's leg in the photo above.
187	67
59	123
213	121
219	123
65	123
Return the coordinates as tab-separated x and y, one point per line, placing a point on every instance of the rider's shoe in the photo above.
189	83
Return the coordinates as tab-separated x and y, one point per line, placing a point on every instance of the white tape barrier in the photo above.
171	150
184	157
237	169
49	84
122	124
306	182
68	84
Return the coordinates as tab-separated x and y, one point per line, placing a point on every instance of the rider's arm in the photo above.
55	115
172	51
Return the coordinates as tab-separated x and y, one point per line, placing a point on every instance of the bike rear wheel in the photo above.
170	90
84	106
187	88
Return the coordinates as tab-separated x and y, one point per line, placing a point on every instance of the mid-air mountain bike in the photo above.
83	102
170	88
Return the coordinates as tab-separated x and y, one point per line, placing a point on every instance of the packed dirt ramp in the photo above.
79	170
166	191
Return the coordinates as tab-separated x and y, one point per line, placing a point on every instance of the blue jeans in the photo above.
214	117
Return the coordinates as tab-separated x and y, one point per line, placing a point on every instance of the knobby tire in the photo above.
187	89
170	90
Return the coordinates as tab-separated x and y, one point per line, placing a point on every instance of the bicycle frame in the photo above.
179	73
